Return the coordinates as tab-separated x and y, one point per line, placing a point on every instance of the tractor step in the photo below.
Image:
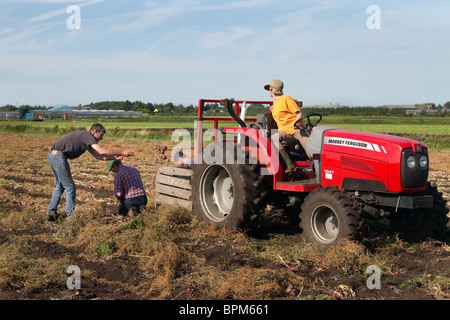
306	185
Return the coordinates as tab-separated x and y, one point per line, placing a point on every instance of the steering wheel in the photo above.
310	125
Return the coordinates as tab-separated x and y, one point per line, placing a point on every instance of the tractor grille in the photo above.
415	177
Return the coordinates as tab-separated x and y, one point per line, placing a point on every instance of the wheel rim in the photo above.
217	193
324	224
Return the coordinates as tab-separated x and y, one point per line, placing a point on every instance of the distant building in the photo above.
399	106
409	109
9	115
62	109
331	105
59	112
415	109
81	108
426	107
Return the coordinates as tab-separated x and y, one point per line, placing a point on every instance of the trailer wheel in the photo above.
328	215
420	224
228	195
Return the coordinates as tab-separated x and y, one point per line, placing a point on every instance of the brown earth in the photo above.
167	254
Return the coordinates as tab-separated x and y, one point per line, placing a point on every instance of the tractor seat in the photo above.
291	143
294	149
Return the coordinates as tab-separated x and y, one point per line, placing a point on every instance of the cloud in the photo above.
87	65
4	31
225	39
47	15
126	19
155	14
18	39
244	4
321	49
42	1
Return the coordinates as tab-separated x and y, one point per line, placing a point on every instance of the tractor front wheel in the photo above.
420	224
328	215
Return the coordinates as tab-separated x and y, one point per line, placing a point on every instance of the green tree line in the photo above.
216	109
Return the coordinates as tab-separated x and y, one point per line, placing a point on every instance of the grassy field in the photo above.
439	125
433	131
166	253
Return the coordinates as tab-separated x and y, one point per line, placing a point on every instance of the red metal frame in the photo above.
201	104
266	154
216	120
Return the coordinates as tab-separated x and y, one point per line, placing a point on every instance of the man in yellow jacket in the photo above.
285	112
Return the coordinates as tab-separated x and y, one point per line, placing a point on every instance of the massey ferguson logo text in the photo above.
354	144
351	143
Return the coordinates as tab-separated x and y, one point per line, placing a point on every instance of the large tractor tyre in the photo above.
420	224
328	215
228	195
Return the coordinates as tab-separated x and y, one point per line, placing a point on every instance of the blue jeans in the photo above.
61	170
126	204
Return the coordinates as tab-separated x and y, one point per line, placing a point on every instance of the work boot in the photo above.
290	167
132	212
53	217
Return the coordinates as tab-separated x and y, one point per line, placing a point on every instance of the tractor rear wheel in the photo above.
228	195
327	216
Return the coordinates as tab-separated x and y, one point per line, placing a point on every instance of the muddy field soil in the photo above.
187	259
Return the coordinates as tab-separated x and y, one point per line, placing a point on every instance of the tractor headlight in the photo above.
423	161
411	162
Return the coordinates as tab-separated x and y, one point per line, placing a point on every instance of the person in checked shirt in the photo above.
128	188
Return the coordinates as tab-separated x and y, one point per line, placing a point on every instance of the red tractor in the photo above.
352	176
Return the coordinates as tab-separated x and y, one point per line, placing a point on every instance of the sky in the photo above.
355	53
